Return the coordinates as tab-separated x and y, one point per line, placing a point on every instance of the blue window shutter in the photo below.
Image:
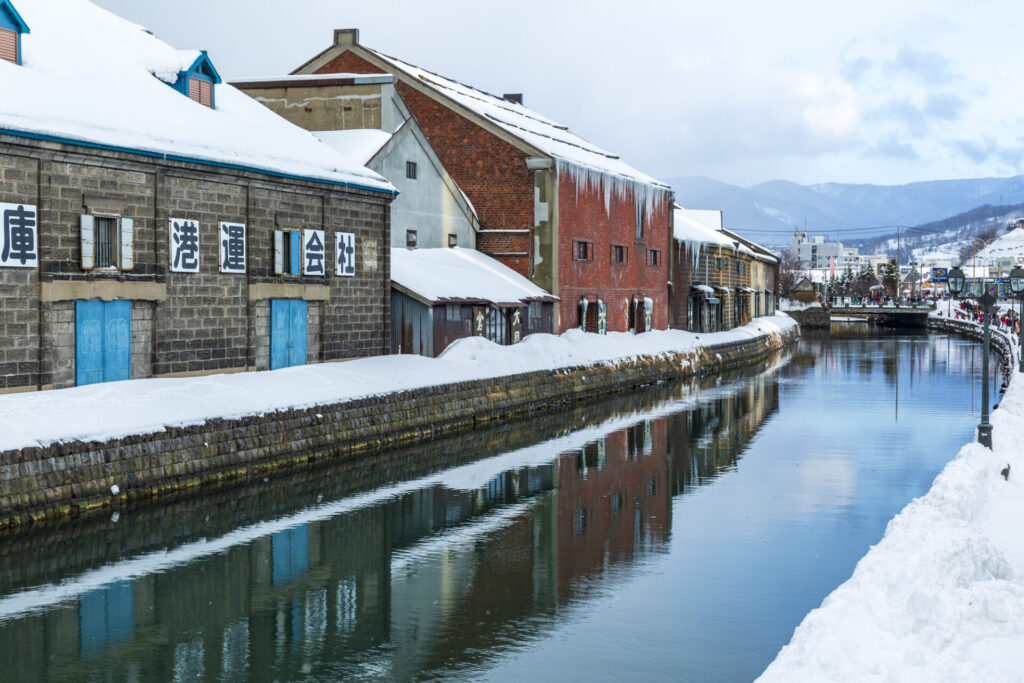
88	342
297	334
296	252
117	340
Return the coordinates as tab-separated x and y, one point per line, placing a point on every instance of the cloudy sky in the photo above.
810	91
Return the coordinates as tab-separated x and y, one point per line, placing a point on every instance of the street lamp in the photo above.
1017	287
957	284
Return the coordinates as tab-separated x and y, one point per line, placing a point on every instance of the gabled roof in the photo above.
530	131
7	9
90	82
204	66
460	275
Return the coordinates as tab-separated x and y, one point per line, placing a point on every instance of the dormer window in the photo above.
11	28
198	81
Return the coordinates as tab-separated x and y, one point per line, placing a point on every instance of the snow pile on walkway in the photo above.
116	409
794	305
941	597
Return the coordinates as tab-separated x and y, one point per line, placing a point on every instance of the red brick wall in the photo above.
490	171
582	216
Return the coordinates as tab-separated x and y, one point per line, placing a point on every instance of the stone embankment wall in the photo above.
68	479
814	317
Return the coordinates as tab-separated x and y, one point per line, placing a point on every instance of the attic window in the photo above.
8	45
11	28
200	91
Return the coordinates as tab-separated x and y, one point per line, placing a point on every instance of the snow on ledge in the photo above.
143	406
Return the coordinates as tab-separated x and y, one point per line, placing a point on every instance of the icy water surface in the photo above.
679	533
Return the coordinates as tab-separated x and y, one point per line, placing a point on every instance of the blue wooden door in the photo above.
103	341
287	333
88	342
297	334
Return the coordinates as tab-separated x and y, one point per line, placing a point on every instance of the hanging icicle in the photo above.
646	196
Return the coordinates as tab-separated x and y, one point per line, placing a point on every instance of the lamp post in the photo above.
1017	287
957	284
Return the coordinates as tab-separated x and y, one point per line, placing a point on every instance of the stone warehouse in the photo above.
576	220
195	233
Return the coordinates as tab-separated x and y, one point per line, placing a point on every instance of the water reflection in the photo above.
481	555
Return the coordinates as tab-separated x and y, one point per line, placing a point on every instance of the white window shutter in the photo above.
278	252
87	232
127	244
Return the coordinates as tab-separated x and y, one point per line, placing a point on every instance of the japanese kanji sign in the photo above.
345	253
184	246
19	236
314	253
232	247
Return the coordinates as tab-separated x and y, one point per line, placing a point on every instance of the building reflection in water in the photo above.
430	581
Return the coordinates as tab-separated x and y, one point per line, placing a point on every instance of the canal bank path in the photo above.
941	596
113	410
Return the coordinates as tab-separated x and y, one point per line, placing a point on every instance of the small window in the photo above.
721	264
583	251
655	257
200	91
410	239
535	311
452	312
287	252
618	254
8	45
453	241
741	267
106	241
410	170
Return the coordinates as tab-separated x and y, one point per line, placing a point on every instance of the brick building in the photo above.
720	280
576	220
174	228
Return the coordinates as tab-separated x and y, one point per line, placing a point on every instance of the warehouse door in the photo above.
103	341
287	333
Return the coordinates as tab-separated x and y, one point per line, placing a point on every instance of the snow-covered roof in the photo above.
696	233
92	78
456	274
358	144
573	155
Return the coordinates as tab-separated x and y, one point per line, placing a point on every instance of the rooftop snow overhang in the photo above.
312	81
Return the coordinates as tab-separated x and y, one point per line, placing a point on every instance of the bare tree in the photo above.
791	269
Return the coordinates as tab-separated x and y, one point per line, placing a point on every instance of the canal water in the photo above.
679	533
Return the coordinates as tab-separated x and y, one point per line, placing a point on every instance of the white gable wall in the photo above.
429	205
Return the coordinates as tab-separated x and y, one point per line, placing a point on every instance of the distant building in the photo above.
816	252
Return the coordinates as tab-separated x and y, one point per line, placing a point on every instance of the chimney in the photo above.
516	97
346	37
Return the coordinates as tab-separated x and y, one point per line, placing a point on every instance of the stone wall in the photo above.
73	478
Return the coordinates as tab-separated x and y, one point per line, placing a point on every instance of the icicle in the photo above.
643	194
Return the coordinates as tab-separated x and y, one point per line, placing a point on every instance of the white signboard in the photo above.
184	245
345	254
19	236
232	247
314	253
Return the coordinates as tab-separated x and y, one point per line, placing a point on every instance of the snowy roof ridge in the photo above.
545	135
78	54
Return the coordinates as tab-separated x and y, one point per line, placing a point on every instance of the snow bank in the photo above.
92	77
116	409
791	305
941	597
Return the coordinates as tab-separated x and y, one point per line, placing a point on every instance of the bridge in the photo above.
887	315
